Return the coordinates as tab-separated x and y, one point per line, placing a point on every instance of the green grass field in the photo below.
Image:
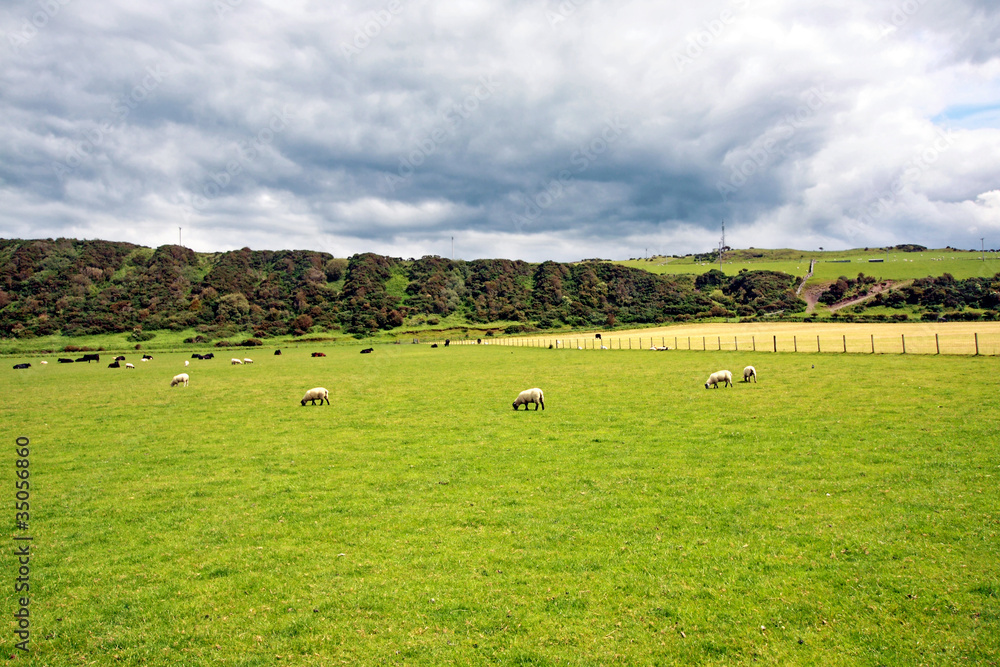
843	511
830	265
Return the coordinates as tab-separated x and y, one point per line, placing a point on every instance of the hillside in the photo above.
74	287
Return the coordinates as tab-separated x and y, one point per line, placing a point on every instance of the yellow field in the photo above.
887	338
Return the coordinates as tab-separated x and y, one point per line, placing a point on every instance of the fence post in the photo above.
630	342
753	339
736	343
675	342
689	342
775	343
937	344
903	336
977	344
795	344
845	343
720	343
817	345
703	348
873	343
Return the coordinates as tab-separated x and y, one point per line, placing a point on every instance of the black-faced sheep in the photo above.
180	379
530	396
130	366
750	372
719	376
316	394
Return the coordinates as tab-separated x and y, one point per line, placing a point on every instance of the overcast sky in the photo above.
522	129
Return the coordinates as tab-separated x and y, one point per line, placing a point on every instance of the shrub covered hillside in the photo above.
86	287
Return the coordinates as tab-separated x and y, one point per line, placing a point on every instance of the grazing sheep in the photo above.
719	376
530	396
186	362
604	347
43	363
317	394
248	361
750	372
368	350
233	362
180	379
21	366
130	366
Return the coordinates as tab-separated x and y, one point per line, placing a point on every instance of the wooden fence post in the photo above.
795	343
775	343
873	343
903	336
753	339
736	343
977	344
817	345
937	344
720	343
845	343
703	348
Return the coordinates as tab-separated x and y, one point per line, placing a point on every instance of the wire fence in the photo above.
979	344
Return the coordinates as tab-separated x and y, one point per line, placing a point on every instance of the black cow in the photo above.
114	364
479	341
277	353
65	361
19	366
196	356
120	357
367	350
147	356
597	337
447	342
434	345
90	357
318	354
210	355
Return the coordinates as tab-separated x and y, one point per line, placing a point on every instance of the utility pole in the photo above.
722	244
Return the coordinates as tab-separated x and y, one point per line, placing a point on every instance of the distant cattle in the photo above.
447	342
197	356
277	353
319	354
90	357
20	366
479	341
597	337
210	355
147	357
64	361
120	358
367	350
434	344
115	364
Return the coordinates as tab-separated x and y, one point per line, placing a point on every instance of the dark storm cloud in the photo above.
557	130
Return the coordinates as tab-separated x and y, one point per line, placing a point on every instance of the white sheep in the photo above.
248	361
719	376
530	396
180	379
233	362
750	372
129	365
186	362
43	363
144	359
316	394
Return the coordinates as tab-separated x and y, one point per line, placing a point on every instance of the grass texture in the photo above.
842	511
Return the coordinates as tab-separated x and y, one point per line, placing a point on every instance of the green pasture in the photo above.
830	265
843	511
